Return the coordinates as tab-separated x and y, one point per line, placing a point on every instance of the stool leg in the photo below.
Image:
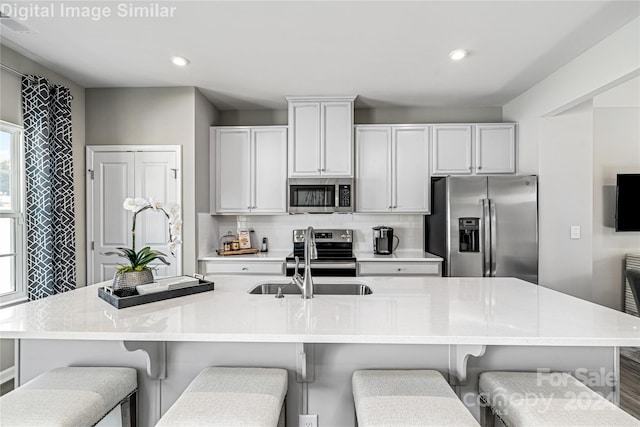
128	410
487	419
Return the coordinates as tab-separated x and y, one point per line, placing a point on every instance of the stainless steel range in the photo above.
335	253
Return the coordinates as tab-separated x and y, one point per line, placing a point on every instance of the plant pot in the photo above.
124	284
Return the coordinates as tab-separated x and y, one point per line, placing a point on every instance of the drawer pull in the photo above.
245	268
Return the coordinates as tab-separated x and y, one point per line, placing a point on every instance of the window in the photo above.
12	230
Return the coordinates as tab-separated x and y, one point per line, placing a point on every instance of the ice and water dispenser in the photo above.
469	234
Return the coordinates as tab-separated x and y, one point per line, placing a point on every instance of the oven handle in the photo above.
326	265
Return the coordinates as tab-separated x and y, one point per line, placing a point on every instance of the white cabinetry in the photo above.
250	169
399	268
321	137
495	148
242	267
392	169
479	149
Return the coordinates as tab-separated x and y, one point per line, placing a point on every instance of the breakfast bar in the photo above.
458	326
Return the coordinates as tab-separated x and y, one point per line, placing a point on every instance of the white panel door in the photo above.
110	223
410	168
233	169
337	139
117	175
373	169
304	139
495	148
156	177
451	150
269	167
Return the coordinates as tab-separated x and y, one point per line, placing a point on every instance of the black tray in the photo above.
130	301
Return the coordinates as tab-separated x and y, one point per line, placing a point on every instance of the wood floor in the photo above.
630	381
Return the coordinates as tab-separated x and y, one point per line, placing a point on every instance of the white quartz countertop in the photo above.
398	256
401	310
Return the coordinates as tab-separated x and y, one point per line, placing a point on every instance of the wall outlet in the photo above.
575	232
308	420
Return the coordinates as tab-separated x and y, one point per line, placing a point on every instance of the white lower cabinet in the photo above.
250	169
392	169
241	267
400	268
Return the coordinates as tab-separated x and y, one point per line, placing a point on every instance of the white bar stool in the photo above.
545	399
73	396
231	397
407	398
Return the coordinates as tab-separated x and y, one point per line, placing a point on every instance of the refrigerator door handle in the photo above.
494	229
486	236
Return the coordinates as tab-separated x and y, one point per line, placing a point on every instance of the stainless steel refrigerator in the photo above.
485	226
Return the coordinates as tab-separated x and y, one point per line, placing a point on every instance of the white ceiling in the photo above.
249	55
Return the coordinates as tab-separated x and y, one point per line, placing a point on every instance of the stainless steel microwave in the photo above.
320	195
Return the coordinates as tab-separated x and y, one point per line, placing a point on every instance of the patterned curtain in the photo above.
50	211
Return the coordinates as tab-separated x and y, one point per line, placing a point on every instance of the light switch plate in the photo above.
575	232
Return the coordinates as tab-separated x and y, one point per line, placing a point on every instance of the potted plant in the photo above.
137	271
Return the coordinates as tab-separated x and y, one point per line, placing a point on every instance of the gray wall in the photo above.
576	149
373	116
616	149
11	111
157	116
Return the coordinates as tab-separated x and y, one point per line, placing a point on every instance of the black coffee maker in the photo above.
383	240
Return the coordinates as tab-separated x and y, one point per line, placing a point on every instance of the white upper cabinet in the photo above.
451	153
250	169
321	136
495	148
392	169
479	149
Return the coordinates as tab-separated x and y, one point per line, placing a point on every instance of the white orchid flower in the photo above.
173	245
174	209
176	228
155	204
140	203
130	204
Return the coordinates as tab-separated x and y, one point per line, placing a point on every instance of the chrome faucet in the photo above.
310	252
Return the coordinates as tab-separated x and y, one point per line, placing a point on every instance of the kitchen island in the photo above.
407	322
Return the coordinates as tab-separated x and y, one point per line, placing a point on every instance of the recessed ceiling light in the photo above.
457	54
180	61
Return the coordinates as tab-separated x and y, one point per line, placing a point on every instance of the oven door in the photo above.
324	268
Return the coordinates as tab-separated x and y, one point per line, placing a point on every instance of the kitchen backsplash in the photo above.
278	229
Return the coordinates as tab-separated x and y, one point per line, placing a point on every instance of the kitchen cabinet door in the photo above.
269	167
321	137
410	169
495	148
451	150
304	144
233	170
373	169
337	139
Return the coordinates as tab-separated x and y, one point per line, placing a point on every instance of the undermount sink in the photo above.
332	288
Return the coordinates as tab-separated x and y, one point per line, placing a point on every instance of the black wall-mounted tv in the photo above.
628	202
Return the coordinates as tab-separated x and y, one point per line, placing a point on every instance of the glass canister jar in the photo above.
226	242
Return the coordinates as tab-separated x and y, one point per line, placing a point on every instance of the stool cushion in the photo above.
407	398
230	397
75	396
548	399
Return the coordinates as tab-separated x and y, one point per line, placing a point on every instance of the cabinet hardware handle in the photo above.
244	269
399	269
479	167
